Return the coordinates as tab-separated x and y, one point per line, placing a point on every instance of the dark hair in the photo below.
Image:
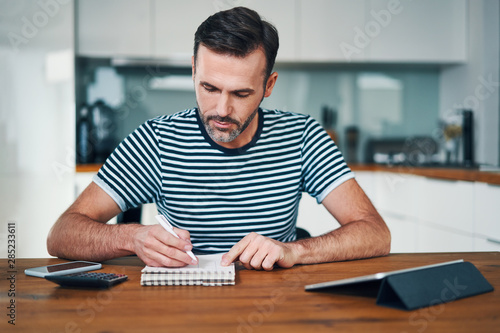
238	32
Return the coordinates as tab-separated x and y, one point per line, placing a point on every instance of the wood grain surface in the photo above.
259	302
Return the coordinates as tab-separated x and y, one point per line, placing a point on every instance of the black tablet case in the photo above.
432	286
418	288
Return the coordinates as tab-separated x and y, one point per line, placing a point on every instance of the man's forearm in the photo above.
77	237
355	240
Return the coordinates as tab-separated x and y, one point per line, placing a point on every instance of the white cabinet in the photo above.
417	31
383	31
283	15
398	193
448	203
423	214
486	245
423	31
315	218
165	29
487	213
326	27
437	239
175	24
366	181
114	28
404	233
427	214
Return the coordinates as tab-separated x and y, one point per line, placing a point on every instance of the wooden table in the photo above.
259	302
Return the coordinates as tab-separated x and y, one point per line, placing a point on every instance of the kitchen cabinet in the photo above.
395	197
448	203
434	238
114	28
417	31
398	193
404	233
434	215
165	29
423	214
327	25
487	213
176	22
334	31
314	217
422	31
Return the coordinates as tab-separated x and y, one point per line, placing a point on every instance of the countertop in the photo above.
472	175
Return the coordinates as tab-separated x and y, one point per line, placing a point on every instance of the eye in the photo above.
209	88
242	95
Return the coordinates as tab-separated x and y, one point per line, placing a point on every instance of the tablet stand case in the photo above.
432	286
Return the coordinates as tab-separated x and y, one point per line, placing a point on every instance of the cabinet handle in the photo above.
493	241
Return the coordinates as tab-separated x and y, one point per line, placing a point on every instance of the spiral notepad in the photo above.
208	272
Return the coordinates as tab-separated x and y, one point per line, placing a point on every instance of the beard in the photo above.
225	134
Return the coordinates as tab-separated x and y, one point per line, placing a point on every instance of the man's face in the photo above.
229	91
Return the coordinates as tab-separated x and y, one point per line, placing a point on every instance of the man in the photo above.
228	175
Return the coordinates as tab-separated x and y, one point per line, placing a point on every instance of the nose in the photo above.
223	105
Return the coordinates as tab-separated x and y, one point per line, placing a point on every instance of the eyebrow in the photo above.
237	91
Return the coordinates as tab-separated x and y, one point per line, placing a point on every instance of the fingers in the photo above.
183	234
235	251
161	255
255	251
157	247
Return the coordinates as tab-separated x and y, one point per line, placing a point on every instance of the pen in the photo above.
166	225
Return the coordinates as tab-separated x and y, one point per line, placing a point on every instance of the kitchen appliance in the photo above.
95	133
103	130
352	140
415	151
85	144
468	138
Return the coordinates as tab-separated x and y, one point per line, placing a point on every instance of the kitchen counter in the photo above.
472	175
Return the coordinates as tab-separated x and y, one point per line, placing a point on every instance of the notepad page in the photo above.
206	263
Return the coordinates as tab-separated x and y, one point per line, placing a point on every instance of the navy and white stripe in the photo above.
220	195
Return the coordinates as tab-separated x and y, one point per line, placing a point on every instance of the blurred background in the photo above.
413	84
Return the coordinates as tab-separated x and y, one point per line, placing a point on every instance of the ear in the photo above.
192	67
271	81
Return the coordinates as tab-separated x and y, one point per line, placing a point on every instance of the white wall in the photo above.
476	85
36	120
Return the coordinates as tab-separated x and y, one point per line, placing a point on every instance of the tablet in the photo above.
372	277
63	269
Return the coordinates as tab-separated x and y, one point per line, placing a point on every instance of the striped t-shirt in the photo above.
218	194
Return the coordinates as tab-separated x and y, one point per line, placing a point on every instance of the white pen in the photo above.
167	226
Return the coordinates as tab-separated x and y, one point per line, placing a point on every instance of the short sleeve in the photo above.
132	174
323	166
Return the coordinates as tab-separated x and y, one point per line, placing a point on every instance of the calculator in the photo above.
88	279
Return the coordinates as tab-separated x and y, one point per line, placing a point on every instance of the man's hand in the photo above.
157	247
259	252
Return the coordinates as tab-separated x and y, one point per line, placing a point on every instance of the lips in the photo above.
220	124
